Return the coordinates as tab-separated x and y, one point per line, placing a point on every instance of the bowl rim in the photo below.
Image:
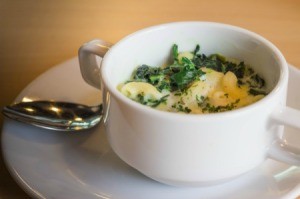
281	83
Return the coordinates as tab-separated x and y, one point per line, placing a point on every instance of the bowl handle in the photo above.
280	150
90	69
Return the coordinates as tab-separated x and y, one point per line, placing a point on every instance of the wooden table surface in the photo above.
36	35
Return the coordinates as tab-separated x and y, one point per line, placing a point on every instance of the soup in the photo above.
195	83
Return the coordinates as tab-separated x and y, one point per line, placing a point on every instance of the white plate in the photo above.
50	164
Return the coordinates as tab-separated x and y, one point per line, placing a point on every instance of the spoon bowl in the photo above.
59	116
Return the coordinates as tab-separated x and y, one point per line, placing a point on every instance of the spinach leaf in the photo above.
175	52
253	91
181	73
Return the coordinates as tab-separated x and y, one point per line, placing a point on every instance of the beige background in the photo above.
35	35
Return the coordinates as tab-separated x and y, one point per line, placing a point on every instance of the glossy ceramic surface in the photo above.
50	164
192	149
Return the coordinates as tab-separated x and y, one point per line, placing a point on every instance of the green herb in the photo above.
184	78
152	75
150	102
200	100
257	81
253	91
197	49
178	76
180	108
175	52
187	63
156	78
206	107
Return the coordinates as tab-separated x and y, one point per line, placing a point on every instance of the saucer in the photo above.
50	164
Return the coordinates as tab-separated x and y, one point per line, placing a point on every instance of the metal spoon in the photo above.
61	116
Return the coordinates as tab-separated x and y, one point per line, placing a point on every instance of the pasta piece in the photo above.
220	98
231	87
213	78
133	89
202	88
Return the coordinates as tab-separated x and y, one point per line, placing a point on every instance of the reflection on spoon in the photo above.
61	116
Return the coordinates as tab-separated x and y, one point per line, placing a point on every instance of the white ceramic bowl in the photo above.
180	149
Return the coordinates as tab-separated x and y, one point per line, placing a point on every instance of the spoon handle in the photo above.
60	116
9	112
